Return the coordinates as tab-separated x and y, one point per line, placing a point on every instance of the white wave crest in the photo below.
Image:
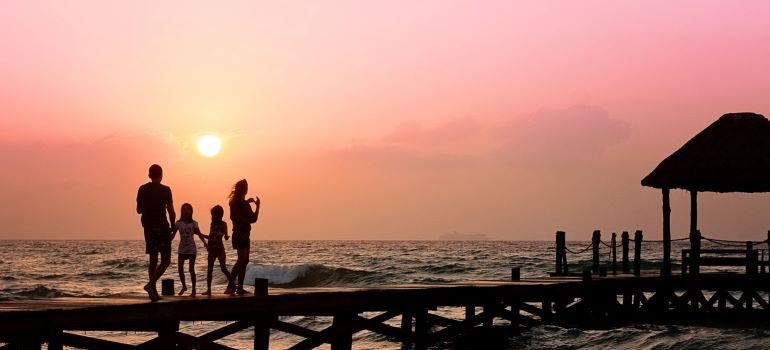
277	274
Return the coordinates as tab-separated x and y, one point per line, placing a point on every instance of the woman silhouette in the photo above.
242	217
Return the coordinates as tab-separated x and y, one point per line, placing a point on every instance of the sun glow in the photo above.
209	145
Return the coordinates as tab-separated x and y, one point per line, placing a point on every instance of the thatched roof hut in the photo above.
731	155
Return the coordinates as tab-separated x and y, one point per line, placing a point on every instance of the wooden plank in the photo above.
224	331
90	343
295	329
191	342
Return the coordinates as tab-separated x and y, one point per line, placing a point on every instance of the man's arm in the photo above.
171	215
139	201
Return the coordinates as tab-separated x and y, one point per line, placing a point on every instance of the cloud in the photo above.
545	138
561	135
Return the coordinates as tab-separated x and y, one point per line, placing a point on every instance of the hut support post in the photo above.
695	252
614	253
694	234
666	233
638	253
595	241
624	242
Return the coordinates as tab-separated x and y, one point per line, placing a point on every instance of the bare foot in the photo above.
149	290
229	290
208	292
184	289
192	294
242	292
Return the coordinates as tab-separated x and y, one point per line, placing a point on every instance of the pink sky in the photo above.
373	120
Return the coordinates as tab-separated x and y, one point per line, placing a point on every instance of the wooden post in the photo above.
693	211
638	253
167	286
768	249
167	334
260	287
613	242
54	342
561	253
406	329
586	275
751	262
595	241
262	322
515	273
624	242
470	313
343	327
489	310
421	330
695	252
666	233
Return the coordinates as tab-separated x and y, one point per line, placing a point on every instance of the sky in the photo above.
380	120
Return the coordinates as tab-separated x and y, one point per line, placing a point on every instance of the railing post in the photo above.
595	241
614	248
695	252
561	254
751	259
638	253
515	274
624	242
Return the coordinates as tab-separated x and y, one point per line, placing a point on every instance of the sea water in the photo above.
50	269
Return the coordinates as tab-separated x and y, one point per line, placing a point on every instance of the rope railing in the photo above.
601	250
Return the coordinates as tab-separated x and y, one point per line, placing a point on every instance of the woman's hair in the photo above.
217	213
181	217
239	190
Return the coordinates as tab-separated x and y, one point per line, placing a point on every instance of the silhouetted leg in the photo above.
153	264
180	269
192	274
223	266
243	259
209	273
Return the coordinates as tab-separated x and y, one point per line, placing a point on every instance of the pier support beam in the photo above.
666	233
421	330
262	322
343	331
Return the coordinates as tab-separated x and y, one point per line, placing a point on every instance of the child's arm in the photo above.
201	236
226	235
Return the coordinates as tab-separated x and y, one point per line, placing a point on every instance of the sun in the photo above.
209	145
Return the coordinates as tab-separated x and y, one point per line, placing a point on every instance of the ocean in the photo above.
50	269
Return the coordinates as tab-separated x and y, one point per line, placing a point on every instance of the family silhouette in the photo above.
154	202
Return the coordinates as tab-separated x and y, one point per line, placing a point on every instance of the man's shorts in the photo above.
157	240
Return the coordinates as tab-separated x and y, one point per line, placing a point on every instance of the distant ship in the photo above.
456	236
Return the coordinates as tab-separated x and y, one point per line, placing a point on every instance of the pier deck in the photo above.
593	302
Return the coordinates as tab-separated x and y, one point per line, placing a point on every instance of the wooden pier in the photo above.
407	314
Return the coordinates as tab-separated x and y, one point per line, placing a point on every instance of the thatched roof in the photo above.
731	155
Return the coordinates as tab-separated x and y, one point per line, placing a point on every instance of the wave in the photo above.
39	291
310	275
123	263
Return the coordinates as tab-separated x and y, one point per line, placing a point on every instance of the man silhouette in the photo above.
153	200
